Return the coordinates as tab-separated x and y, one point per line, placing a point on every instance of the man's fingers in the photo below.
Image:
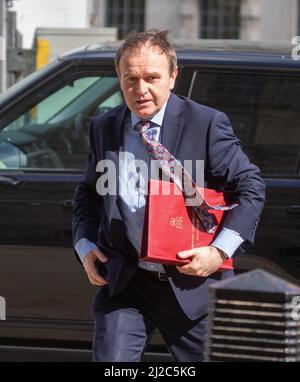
194	266
187	268
94	276
96	280
205	261
90	267
100	255
187	254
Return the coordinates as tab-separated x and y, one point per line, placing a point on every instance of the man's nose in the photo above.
141	88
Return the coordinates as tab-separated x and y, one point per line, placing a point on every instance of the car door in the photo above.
263	106
43	147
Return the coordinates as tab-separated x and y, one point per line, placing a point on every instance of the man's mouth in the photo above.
143	102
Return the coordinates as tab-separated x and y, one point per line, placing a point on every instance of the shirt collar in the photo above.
157	119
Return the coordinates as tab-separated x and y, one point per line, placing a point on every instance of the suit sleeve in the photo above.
87	204
229	165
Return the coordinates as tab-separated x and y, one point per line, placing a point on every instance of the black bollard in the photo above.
253	317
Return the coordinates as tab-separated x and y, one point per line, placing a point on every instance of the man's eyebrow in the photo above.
128	74
151	74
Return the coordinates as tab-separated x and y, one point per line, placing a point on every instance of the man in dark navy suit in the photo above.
136	297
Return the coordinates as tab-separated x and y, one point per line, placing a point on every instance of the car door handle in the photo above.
8	181
68	203
295	209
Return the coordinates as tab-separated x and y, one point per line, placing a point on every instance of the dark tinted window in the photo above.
51	134
264	112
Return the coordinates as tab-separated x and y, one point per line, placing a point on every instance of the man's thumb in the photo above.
185	254
100	255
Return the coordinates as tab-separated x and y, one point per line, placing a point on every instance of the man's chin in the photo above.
145	114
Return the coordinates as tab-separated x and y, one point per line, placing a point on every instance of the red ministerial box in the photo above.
170	226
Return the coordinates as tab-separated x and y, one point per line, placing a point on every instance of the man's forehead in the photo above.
137	70
149	67
150	54
142	49
144	66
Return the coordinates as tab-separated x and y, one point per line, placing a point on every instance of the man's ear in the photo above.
173	78
119	77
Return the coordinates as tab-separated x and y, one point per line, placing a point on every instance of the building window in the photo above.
126	15
219	18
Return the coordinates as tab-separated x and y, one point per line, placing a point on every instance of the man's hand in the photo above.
204	261
90	267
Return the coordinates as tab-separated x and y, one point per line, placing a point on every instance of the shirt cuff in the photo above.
228	241
83	247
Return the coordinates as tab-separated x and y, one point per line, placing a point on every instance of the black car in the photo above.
44	123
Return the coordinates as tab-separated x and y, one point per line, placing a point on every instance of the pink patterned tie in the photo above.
175	171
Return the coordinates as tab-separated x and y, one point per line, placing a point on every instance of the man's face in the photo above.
145	80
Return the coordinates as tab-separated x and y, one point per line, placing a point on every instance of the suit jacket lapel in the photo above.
116	131
114	146
172	129
173	124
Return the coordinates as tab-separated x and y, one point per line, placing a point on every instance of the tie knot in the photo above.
142	126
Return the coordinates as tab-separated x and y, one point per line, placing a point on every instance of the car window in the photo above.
264	112
53	133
